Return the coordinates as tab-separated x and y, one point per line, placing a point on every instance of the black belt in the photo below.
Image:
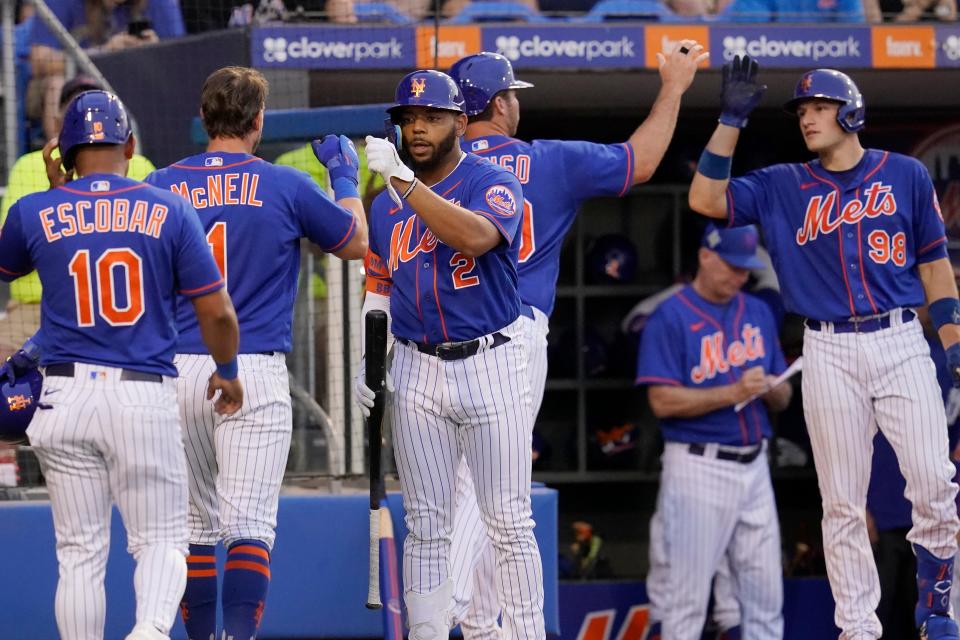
745	457
455	350
862	325
67	370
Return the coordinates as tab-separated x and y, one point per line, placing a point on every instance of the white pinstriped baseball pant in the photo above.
709	508
236	463
853	383
477	409
99	440
476	606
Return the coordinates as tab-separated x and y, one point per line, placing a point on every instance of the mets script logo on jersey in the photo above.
19	402
404	247
714	359
215	161
817	219
418	86
501	200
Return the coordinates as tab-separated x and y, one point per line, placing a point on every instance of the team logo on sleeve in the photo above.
215	161
501	200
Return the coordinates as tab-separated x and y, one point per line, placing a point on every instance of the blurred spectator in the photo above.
910	10
97	25
424	9
795	11
586	561
29	175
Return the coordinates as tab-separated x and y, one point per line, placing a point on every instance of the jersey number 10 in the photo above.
102	282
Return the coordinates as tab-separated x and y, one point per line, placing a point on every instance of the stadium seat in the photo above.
611	10
380	12
496	11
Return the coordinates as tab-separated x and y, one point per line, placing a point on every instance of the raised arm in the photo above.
650	140
339	156
740	94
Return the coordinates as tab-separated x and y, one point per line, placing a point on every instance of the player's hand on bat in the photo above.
364	395
55	173
231	394
752	383
383	158
339	156
741	92
679	66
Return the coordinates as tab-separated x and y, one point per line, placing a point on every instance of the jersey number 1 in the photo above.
217	239
102	281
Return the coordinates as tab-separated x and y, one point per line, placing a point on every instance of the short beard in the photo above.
443	151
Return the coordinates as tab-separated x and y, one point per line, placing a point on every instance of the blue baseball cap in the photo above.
737	246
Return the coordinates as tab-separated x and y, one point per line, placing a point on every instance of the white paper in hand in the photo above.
794	368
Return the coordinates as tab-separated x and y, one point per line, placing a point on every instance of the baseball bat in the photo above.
375	373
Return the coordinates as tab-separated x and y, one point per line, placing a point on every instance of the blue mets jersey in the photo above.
844	243
556	176
436	293
254	214
112	254
690	342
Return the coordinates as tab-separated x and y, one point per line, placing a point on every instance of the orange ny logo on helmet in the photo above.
418	86
805	82
97	130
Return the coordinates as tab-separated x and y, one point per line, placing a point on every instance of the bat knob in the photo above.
374	606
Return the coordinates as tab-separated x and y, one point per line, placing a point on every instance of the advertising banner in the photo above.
312	47
803	47
575	47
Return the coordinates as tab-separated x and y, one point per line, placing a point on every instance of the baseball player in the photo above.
857	241
705	349
444	240
557	177
112	255
254	215
28	175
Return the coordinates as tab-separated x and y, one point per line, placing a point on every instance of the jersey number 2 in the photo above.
102	280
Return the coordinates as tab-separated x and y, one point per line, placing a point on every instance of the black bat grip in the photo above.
375	374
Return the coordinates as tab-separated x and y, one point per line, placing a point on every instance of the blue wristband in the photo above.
228	370
945	311
713	166
345	188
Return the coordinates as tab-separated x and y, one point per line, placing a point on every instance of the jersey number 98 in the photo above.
885	248
102	282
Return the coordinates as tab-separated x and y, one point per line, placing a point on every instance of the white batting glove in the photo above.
363	394
383	158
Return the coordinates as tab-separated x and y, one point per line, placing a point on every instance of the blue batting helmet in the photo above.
93	117
830	84
18	402
428	88
483	76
